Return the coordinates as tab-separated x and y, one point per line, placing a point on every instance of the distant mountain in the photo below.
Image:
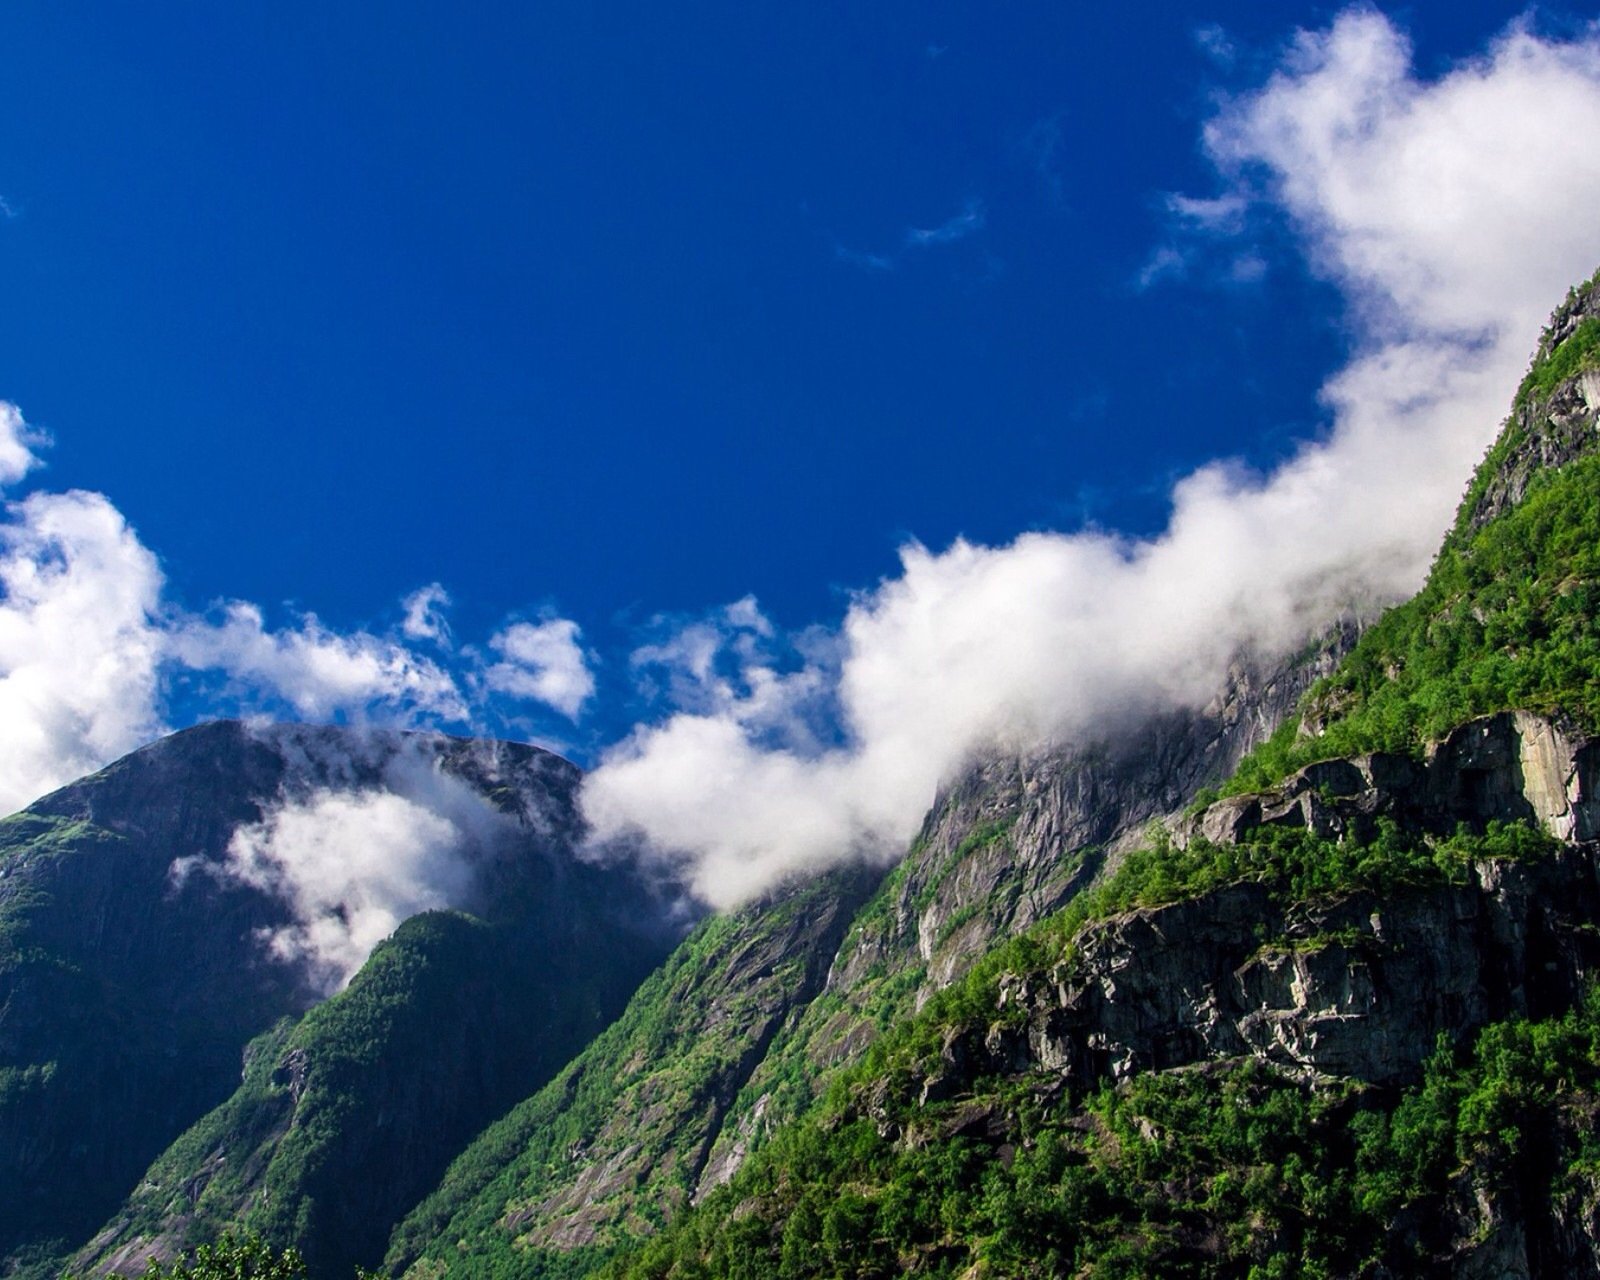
138	971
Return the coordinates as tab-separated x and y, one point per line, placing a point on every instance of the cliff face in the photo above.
129	990
1359	985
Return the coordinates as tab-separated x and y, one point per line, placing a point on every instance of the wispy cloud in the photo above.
869	261
962	226
1166	262
1223	215
968	222
8	209
1203	237
424	614
1216	44
1042	147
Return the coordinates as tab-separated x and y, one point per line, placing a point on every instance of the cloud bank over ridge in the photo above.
90	645
1452	213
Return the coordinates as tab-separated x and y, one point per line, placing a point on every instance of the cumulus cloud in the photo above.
91	645
353	864
318	672
80	640
424	614
542	662
1453	212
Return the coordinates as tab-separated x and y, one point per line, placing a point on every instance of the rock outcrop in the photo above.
1358	987
1510	767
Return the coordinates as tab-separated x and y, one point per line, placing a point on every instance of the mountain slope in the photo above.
749	1019
617	1142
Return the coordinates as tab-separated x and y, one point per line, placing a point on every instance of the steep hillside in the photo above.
1340	1022
756	1011
1507	617
135	967
1005	846
619	1140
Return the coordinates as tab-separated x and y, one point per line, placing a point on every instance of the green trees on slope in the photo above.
1222	1169
1509	617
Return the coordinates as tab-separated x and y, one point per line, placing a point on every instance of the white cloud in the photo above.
318	672
1453	213
17	442
542	662
80	640
351	865
424	609
1453	207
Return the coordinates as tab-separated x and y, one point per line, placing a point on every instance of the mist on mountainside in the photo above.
1442	209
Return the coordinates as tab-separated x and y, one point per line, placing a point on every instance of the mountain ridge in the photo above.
1237	1025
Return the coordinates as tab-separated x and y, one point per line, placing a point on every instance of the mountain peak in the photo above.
1555	417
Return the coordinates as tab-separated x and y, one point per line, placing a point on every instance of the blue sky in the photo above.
622	314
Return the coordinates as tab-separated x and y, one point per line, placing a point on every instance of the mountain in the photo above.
1301	982
742	1029
1340	1020
143	959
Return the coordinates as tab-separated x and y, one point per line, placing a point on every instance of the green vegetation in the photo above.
641	1100
1510	617
1580	351
433	1035
1225	1170
232	1257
